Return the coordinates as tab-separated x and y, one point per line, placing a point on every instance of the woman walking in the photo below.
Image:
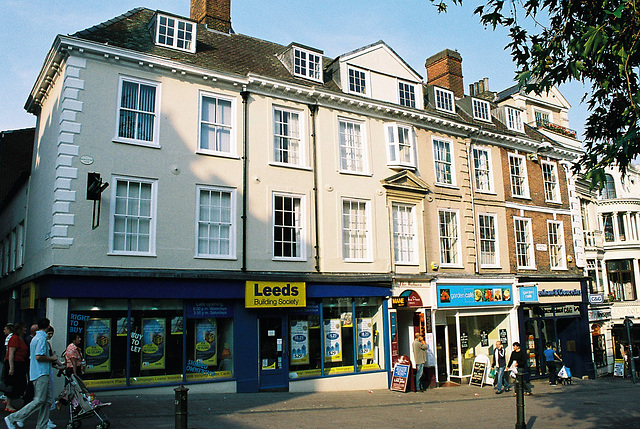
16	370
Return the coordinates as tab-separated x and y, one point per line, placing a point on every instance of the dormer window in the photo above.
513	119
174	33
481	110
307	64
444	100
407	94
358	81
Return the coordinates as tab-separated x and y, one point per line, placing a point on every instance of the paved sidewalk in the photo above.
603	403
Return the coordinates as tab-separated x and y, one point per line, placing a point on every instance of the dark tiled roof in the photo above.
16	150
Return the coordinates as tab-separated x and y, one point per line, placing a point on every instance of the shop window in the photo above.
337	334
599	346
209	348
305	335
370	354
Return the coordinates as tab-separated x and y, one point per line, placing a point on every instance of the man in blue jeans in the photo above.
500	364
40	366
550	359
420	356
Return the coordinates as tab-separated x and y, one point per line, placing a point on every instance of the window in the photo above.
488	248
216	115
133	216
175	33
357	81
518	173
449	242
621	279
482	169
443	163
407	94
5	256
307	64
607	225
542	118
352	156
514	119
13	247
287	227
622	236
286	137
401	143
137	112
2	263
20	245
444	100
524	243
556	245
355	230
404	234
550	179
480	109
609	190
215	223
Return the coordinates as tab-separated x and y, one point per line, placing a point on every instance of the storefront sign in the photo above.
559	292
98	345
28	296
365	338
300	343
528	293
596	298
208	310
399	301
599	315
275	294
400	374
474	295
413	298
153	343
332	340
205	342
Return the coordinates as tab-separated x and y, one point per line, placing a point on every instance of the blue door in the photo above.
274	359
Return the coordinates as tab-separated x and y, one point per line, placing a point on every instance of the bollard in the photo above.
520	424
181	407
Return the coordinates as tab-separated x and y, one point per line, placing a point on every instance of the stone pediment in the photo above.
406	181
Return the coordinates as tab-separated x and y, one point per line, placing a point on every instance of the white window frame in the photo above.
13	250
558	246
362	235
410	89
522	163
352	148
513	119
528	243
300	230
483	171
455	235
174	31
231	224
442	164
481	109
551	186
307	64
366	78
215	124
394	152
405	242
444	100
155	141
152	215
20	245
299	138
542	112
495	241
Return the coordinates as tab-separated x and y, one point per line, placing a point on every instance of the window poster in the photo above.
176	325
153	336
365	338
300	343
206	341
332	340
122	327
98	345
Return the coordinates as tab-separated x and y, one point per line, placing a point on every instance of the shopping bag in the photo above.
492	373
568	371
563	372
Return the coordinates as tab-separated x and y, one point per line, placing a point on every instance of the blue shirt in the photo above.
548	354
39	347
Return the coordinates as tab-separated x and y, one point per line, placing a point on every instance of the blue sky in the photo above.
412	28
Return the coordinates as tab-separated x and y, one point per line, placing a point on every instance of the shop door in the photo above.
274	363
570	339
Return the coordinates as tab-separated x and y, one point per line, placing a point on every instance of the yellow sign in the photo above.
28	296
275	294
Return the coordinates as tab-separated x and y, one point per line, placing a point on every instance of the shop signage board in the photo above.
559	292
28	296
477	376
400	374
528	294
208	310
596	298
474	295
260	294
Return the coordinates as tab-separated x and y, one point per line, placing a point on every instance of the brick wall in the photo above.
216	14
444	69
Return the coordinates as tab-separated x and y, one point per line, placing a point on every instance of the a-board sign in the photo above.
618	368
477	376
401	374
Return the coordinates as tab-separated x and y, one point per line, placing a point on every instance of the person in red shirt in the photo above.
73	356
16	375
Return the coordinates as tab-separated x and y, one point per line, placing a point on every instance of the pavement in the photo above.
602	403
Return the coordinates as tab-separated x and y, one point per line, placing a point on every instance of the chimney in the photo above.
216	14
480	89
445	69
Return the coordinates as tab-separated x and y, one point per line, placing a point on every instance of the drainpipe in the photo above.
473	205
245	174
313	110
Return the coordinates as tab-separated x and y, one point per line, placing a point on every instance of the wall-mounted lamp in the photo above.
95	188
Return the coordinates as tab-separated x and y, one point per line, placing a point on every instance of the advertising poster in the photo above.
153	336
365	338
332	341
98	345
300	343
122	327
206	341
176	325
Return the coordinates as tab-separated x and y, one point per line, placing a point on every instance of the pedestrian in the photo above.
520	359
550	357
500	364
28	393
420	356
8	332
40	367
15	372
54	367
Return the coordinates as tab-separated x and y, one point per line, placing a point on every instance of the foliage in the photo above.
595	42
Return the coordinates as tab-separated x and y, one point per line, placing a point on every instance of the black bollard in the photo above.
520	424
181	407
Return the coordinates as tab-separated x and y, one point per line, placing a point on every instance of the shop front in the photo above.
601	339
470	319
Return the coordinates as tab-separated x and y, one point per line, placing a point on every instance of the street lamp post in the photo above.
628	323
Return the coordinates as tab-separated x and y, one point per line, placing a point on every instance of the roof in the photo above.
16	151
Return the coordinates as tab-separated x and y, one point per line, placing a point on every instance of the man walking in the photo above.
550	357
500	363
420	356
39	368
520	359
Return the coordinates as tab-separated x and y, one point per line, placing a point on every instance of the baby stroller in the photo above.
564	375
82	403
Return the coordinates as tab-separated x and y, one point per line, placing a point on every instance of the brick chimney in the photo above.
445	69
216	14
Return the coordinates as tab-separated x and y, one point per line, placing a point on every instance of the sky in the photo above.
413	29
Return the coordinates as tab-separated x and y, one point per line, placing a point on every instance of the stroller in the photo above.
82	403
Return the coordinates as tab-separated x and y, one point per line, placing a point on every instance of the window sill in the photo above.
146	255
452	266
278	259
216	257
402	167
553	202
439	109
150	145
358	261
217	154
490	267
355	173
559	269
522	197
527	268
294	166
406	264
486	192
446	185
